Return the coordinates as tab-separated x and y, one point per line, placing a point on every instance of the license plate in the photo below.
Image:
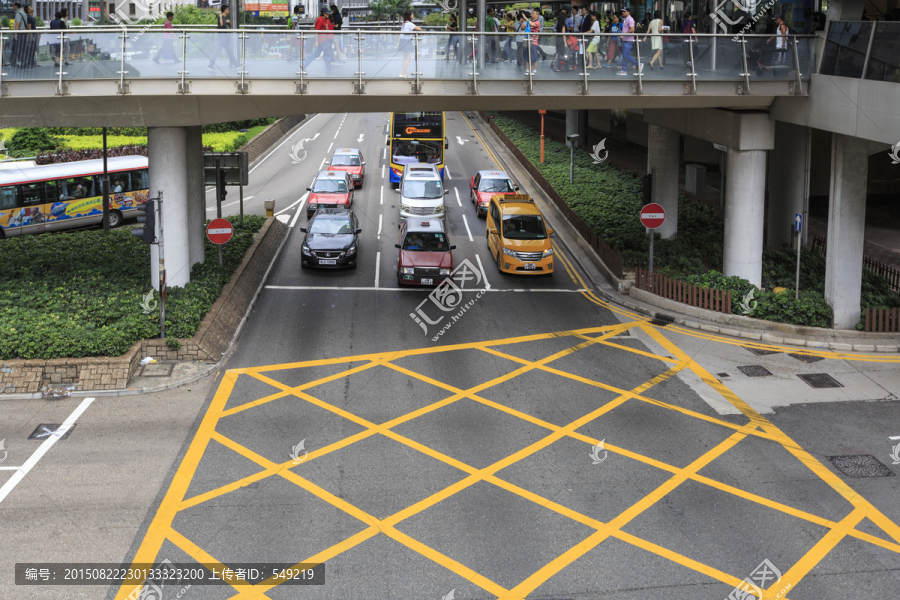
325	261
529	266
427	282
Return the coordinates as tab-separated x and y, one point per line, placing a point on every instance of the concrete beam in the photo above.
741	130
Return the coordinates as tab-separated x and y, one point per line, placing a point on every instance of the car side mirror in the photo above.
453	247
396	245
303	229
446	192
308	189
358	230
516	188
493	232
364	163
549	231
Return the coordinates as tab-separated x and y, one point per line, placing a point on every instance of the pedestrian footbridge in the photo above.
144	76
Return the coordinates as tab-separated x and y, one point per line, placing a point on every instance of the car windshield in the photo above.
331	226
425	241
330	186
428	190
405	152
344	160
524	227
495	185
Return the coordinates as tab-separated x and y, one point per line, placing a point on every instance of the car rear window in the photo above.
331	226
495	185
329	186
425	241
345	160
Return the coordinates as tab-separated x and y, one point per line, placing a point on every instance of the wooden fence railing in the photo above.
892	274
611	258
681	291
882	319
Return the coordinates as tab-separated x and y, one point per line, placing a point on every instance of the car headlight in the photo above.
440	208
351	250
312	207
408	271
445	271
305	250
509	252
355	176
548	252
404	207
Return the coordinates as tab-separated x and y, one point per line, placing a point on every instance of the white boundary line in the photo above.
299	210
379	226
382	171
22	471
300	199
458	201
382	196
413	289
329	148
484	275
377	271
447	171
282	143
466	221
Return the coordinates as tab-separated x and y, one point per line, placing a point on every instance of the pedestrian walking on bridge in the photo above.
223	40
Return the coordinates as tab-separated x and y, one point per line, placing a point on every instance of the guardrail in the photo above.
861	50
242	54
681	291
882	319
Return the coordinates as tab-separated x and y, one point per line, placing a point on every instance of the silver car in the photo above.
421	192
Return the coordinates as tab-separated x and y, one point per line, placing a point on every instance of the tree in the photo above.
30	141
190	15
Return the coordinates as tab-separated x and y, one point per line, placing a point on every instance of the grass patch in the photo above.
79	294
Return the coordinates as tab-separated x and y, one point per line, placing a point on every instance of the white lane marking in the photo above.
457	196
382	196
360	140
299	210
483	274
281	144
384	154
238	201
385	139
22	471
413	289
283	218
336	133
379	226
382	171
300	199
377	269
323	163
447	171
329	147
469	231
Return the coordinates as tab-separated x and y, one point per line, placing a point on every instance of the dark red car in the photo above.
425	257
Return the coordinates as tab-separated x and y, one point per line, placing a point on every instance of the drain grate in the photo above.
860	465
754	371
806	358
662	320
722	375
760	351
820	380
48	430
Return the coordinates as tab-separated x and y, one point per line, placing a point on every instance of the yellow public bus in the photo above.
69	195
416	137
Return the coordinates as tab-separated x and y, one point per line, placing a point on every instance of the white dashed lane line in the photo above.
469	231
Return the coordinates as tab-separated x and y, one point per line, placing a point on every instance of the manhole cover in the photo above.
46	430
760	351
807	358
157	370
860	465
722	375
662	320
820	380
754	371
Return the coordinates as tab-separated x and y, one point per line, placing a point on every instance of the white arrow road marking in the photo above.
361	136
460	140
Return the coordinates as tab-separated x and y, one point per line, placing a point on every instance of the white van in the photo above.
421	192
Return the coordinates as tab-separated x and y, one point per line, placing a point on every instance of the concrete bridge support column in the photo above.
846	228
786	182
745	188
662	159
196	194
168	157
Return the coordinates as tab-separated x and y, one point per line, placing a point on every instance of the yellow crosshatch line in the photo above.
175	499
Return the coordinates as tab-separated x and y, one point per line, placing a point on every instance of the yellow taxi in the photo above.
517	235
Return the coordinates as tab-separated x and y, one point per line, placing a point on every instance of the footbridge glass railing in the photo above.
364	56
863	50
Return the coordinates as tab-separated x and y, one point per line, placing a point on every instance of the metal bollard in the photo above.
270	207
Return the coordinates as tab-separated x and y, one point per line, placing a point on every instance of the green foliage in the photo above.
5	23
237	125
79	293
38	21
76	22
110	131
389	9
436	18
190	15
30	141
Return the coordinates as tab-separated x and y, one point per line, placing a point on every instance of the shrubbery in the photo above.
79	293
30	141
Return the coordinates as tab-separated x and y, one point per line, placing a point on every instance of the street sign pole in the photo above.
652	235
652	217
798	228
220	185
162	270
242	202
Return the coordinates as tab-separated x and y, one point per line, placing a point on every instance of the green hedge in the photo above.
142	131
78	294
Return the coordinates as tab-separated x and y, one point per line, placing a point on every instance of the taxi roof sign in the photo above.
514	198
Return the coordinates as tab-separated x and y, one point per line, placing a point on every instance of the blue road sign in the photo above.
798	222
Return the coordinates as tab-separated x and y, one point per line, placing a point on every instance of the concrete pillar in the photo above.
583	128
572	124
745	194
167	151
662	155
196	193
846	228
786	182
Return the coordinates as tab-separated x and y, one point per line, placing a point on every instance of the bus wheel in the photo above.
115	219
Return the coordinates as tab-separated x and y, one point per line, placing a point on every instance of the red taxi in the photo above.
331	189
425	257
486	184
349	160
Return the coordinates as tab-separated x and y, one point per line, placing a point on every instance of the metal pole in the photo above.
721	179
162	269
651	250
105	185
242	200
572	162
219	188
797	282
543	112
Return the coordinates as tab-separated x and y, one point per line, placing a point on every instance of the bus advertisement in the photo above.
416	137
69	195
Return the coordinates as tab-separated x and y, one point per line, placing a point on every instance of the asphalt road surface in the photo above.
546	445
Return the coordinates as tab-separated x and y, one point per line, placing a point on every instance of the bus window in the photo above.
32	194
51	191
139	180
7	197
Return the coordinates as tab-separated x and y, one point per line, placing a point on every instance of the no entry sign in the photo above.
653	215
219	231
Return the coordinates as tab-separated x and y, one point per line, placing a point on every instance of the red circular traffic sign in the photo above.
653	215
219	231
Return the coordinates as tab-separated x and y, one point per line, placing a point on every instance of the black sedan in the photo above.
332	239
